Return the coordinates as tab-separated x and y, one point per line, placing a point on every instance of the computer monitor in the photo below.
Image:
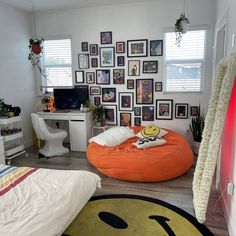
71	98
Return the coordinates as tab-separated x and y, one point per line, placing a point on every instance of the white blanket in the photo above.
46	202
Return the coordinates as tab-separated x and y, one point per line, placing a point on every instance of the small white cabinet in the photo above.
12	137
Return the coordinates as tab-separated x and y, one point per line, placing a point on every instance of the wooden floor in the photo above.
177	192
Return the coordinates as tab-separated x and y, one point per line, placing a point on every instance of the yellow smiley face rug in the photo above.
132	215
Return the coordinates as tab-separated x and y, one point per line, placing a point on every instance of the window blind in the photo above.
57	63
184	65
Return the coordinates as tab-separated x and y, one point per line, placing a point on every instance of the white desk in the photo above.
80	127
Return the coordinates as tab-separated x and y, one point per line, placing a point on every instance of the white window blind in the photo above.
57	63
184	65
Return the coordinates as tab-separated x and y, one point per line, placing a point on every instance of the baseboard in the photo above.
228	220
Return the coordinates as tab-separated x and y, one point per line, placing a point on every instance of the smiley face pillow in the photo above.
152	131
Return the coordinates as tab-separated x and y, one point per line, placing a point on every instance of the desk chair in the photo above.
53	137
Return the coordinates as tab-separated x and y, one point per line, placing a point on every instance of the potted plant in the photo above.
5	109
98	112
196	127
181	27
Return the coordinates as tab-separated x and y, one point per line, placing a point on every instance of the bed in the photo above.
42	201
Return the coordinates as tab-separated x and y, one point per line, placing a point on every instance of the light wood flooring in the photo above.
177	192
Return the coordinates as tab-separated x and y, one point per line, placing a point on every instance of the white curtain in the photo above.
211	138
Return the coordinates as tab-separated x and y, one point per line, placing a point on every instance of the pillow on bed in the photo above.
149	142
152	131
113	136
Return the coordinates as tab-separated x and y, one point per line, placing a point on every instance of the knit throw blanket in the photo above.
211	138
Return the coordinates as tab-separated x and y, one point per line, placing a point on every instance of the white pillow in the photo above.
113	136
149	142
152	131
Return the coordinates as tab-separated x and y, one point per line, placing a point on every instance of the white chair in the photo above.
53	137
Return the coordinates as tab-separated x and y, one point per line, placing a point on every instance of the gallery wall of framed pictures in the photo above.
124	78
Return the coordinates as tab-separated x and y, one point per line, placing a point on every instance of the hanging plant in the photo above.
181	27
36	50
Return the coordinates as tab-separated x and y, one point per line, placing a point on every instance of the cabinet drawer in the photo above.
78	118
1	146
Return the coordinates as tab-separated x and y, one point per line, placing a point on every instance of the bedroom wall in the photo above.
134	21
17	85
226	12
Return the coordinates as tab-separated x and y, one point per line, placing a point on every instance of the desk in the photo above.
80	126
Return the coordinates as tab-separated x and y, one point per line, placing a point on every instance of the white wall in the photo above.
134	21
226	12
17	85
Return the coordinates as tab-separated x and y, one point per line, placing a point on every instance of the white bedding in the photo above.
46	202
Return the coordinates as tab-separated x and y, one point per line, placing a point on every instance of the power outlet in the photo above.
230	188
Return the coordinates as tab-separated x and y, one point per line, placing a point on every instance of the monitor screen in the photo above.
71	98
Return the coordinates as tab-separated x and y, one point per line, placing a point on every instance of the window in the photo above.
184	65
56	62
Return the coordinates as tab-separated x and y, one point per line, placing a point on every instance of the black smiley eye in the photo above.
112	220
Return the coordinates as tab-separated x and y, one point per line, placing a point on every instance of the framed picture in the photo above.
181	110
194	111
93	49
120	47
83	59
156	47
144	91
107	58
125	119
150	67
110	114
134	68
130	84
120	61
137	121
164	109
94	62
158	86
137	111
95	90
148	113
90	77
109	94
84	46
79	76
97	101
118	76
106	37
126	101
103	76
137	48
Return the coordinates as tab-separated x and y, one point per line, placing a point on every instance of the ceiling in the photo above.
43	5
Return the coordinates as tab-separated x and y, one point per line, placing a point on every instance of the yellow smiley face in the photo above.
150	130
127	215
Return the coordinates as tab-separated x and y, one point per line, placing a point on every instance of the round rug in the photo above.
133	215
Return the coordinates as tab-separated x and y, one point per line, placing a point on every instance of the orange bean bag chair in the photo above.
126	162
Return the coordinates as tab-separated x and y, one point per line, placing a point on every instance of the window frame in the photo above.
202	61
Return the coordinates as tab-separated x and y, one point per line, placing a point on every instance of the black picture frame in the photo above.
83	60
181	111
134	68
148	113
156	47
120	47
118	76
194	110
126	101
108	94
164	109
137	48
79	76
126	115
90	77
130	84
94	62
97	90
110	113
103	76
150	67
97	101
120	61
158	86
93	49
144	91
84	46
106	37
137	121
107	56
137	111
